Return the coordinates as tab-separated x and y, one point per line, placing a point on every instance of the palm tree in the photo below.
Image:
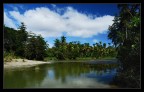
57	43
63	39
109	44
104	49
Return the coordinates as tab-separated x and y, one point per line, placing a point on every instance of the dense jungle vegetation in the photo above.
125	34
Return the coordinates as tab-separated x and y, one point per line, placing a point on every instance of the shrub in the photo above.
8	57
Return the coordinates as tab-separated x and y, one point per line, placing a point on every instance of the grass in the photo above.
53	59
106	58
85	58
102	58
8	57
50	59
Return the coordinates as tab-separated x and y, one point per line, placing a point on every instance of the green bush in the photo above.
8	57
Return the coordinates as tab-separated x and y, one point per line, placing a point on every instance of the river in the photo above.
62	75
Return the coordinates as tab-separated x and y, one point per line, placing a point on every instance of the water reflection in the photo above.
63	75
21	78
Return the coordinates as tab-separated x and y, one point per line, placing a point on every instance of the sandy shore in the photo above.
23	63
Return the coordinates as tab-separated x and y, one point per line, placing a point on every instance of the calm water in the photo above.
61	75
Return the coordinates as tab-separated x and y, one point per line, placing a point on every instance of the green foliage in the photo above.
30	46
24	44
10	39
73	50
125	34
14	40
35	47
8	57
21	39
53	59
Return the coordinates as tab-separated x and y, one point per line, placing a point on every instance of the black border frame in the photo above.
72	1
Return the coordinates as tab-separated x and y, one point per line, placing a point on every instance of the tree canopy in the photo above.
125	34
24	44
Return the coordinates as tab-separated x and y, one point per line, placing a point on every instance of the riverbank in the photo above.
16	63
105	61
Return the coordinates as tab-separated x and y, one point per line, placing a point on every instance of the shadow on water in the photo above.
61	75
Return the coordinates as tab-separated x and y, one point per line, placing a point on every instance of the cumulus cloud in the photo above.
50	45
8	21
50	23
15	7
53	5
95	40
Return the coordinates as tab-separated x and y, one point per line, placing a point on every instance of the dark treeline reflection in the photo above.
62	70
34	76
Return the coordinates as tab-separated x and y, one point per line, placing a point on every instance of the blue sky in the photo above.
78	22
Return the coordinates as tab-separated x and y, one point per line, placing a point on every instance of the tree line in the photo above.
32	46
63	50
24	44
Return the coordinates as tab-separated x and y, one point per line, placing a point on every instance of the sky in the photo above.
87	23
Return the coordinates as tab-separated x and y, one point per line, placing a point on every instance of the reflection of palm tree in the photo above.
76	69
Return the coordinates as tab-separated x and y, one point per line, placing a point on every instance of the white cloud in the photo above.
95	40
50	23
16	7
50	45
8	21
21	6
13	7
53	5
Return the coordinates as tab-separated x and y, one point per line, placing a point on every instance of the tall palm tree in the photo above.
104	49
57	43
63	39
